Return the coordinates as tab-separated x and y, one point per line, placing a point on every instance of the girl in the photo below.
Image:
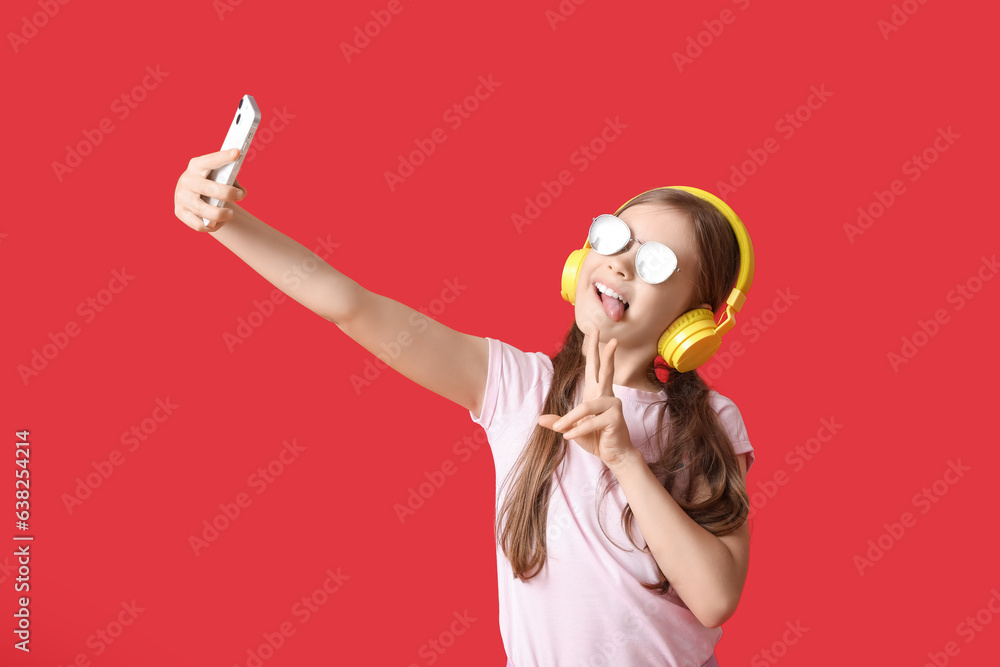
606	445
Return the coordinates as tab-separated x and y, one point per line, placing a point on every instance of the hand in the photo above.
190	208
597	423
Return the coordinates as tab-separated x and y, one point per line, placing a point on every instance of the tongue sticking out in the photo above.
613	307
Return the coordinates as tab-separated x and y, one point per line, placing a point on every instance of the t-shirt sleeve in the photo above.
732	422
513	379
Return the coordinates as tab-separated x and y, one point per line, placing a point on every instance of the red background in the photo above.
322	174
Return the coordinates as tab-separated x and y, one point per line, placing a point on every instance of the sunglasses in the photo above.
654	262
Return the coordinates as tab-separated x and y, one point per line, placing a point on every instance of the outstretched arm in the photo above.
288	265
448	362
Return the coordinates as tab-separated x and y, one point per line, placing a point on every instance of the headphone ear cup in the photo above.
690	340
571	271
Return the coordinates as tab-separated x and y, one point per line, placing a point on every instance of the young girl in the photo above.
622	534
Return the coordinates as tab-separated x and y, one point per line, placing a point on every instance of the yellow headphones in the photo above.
692	338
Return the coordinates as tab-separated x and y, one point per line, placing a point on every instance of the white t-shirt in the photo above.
587	605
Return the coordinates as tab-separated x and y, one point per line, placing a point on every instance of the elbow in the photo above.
341	300
721	606
718	614
711	621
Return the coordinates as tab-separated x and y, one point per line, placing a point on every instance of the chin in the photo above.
590	316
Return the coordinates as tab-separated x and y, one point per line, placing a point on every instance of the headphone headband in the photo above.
745	278
692	338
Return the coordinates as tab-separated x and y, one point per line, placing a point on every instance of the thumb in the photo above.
548	420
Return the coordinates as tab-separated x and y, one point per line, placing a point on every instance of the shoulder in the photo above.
531	367
732	422
728	411
514	379
720	401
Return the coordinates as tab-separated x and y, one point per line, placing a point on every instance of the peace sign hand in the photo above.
597	423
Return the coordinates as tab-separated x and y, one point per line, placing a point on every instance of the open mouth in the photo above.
614	307
600	294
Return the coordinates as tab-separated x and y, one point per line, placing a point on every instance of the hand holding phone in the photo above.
241	132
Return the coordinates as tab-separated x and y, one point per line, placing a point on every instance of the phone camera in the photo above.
238	119
240	105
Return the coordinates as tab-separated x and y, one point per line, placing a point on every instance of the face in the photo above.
651	308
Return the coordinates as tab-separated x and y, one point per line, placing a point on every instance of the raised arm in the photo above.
448	362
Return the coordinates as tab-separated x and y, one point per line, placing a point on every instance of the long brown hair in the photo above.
696	442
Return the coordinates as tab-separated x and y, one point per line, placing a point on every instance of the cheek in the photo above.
583	279
588	311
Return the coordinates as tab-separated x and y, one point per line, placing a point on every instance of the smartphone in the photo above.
241	132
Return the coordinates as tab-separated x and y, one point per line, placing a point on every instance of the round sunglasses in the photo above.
654	262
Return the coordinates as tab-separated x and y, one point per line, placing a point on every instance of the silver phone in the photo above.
241	131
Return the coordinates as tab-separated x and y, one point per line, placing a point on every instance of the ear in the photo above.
706	306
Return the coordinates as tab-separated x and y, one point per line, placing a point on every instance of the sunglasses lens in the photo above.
608	234
655	262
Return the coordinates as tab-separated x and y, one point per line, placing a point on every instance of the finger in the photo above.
198	224
590	408
203	186
206	163
589	426
203	209
241	191
547	421
609	365
569	420
588	357
595	354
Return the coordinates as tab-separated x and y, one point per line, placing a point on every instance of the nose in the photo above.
623	261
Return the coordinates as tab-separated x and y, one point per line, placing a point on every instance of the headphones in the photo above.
692	338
